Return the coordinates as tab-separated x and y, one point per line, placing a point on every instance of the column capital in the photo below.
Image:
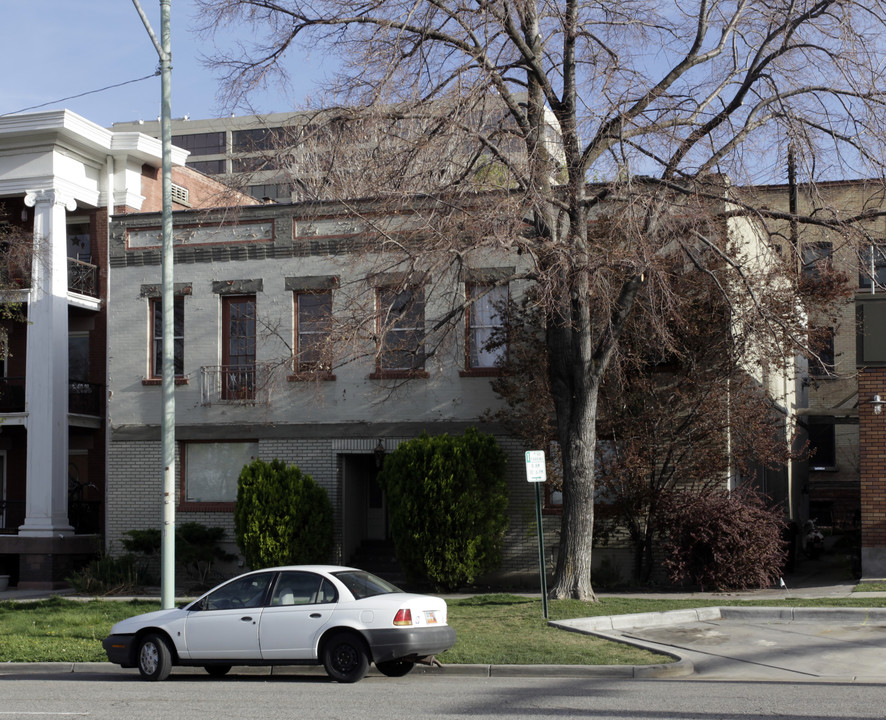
51	196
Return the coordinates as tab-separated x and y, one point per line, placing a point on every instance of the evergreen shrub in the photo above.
448	499
282	517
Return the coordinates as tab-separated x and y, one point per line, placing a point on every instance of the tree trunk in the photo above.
577	421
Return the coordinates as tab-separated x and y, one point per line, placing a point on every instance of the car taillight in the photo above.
403	617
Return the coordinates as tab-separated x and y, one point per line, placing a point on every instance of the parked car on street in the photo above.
340	617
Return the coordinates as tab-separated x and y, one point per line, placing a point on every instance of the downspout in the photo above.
109	210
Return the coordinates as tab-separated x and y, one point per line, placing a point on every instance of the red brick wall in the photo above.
872	448
204	191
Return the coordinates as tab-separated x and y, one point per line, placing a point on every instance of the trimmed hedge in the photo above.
282	516
448	500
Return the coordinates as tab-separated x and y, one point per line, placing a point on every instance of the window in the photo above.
870	323
484	320
256	139
821	342
244	592
178	336
822	443
210	471
238	347
211	143
401	327
872	265
816	258
313	322
303	588
209	167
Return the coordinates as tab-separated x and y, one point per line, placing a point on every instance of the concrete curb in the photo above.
678	669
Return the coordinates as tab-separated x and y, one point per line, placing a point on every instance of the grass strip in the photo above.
492	629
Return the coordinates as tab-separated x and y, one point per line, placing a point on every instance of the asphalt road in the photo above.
118	696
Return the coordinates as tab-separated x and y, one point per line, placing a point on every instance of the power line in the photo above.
73	97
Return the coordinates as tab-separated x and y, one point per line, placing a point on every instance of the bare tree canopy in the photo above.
664	111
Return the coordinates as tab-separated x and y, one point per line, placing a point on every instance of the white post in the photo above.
46	392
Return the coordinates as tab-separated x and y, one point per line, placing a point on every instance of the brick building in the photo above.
61	179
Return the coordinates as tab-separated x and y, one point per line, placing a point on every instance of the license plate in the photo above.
430	617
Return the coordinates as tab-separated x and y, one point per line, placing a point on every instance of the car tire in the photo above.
395	668
345	657
154	657
217	671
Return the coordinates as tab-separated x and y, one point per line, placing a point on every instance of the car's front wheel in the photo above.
154	657
345	657
395	668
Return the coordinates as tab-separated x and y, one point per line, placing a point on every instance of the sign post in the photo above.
536	473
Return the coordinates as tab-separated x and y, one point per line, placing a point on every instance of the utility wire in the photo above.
72	97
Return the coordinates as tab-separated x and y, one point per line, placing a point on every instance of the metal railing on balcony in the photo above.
85	398
12	395
235	384
12	515
82	278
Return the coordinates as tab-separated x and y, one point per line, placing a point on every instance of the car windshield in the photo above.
363	584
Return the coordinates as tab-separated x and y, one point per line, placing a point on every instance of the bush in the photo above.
197	549
447	497
282	516
108	575
723	540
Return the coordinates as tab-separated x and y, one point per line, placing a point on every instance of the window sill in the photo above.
180	380
481	372
206	507
399	375
310	377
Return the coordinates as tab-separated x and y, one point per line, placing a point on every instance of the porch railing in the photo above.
12	515
84	516
235	384
82	278
83	398
12	395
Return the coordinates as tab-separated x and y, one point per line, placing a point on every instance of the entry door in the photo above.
238	348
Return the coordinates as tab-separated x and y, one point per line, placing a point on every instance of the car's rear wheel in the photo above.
217	670
395	668
345	657
154	657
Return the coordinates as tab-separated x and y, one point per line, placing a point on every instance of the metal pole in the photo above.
541	552
167	420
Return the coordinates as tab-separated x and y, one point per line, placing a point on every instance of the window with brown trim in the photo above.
238	347
401	329
484	347
313	322
178	335
210	471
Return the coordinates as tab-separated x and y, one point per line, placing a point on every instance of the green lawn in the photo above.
499	629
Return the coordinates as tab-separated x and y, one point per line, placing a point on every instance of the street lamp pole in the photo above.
167	421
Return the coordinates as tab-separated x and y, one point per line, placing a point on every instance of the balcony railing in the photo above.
83	398
82	278
12	395
12	515
235	384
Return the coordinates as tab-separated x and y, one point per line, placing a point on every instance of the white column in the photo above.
46	392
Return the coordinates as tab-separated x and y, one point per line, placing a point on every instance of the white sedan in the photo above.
340	617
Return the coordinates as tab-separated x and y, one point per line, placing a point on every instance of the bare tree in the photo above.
670	108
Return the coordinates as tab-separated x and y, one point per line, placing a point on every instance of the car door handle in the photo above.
246	619
316	615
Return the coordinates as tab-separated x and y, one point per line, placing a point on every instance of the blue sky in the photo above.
54	49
